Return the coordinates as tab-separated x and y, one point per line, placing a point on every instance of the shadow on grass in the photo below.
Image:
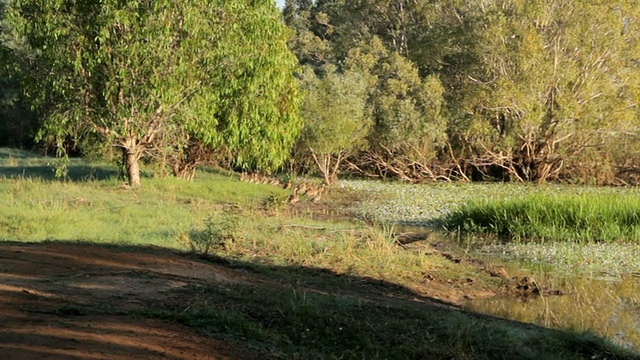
23	164
12	153
76	173
284	311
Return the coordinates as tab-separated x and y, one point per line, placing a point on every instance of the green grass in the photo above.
316	288
581	218
299	324
39	208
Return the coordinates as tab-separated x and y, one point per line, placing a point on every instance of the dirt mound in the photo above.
70	301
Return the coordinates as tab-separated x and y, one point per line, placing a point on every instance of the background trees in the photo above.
549	86
141	74
510	90
407	109
513	90
18	124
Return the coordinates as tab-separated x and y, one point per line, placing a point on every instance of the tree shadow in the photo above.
23	164
75	173
285	311
13	153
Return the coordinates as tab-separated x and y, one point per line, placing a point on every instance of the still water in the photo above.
608	306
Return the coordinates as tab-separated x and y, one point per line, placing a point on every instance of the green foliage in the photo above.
18	123
140	74
586	218
407	108
336	119
530	90
334	110
307	41
537	83
258	118
218	230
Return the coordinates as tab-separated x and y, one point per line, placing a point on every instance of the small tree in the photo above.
407	109
336	121
136	71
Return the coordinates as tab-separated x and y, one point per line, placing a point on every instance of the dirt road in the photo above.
71	301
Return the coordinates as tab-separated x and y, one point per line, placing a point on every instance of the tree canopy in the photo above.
509	90
514	90
141	74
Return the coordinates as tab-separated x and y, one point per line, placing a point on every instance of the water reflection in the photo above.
604	306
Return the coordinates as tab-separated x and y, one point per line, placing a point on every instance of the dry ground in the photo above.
74	301
66	301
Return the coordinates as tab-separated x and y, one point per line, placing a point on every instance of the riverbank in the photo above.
240	264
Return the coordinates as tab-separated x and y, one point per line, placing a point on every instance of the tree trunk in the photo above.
131	154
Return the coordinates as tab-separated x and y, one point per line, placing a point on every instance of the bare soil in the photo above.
70	301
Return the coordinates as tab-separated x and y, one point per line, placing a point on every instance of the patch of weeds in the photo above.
18	226
274	202
11	161
219	229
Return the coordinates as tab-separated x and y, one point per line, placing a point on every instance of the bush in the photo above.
218	231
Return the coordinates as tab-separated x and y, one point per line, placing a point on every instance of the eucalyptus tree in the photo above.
538	88
311	33
138	73
336	118
407	109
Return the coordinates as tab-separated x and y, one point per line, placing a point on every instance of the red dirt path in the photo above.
61	301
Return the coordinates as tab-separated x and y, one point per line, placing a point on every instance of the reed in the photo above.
585	218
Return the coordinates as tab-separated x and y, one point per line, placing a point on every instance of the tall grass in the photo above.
582	218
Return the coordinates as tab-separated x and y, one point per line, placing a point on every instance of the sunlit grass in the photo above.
580	218
351	249
327	272
168	212
107	211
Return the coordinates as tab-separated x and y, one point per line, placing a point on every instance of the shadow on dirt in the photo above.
77	301
70	300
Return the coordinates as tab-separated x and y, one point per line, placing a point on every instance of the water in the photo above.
597	279
608	306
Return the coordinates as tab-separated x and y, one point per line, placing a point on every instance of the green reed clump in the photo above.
584	218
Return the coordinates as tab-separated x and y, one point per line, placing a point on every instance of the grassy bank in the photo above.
306	322
318	284
579	218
